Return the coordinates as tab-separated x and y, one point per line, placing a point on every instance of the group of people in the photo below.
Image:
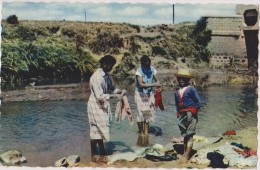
187	103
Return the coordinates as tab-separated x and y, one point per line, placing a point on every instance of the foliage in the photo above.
26	34
30	51
202	37
134	46
156	50
28	60
107	42
12	19
49	49
136	27
128	63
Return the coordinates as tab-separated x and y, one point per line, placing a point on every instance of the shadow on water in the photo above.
157	131
112	145
142	140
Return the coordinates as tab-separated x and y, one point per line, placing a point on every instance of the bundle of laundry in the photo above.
123	110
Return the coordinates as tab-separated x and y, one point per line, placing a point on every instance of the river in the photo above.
45	131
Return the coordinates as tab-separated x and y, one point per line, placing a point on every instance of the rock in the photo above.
12	157
69	161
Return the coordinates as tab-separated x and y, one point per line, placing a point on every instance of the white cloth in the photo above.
145	107
99	111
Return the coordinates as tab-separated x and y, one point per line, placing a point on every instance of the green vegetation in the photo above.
12	19
202	37
63	49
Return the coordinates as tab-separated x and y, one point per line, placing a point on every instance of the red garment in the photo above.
191	109
229	132
158	99
245	152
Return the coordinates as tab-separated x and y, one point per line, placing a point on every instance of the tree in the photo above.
12	19
201	36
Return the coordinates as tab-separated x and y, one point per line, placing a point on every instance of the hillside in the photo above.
55	49
65	51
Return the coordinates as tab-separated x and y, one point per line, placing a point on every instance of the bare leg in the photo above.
146	128
140	127
188	143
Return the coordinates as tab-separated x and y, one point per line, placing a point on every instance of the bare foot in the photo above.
103	159
141	134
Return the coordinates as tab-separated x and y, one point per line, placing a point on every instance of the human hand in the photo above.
157	84
158	88
119	96
123	92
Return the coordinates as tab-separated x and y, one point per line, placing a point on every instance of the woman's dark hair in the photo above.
144	59
108	59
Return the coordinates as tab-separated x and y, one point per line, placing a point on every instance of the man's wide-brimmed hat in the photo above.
183	73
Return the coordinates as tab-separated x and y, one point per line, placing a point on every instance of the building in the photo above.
229	44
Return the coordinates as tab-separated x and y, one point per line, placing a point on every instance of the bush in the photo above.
156	50
53	29
12	19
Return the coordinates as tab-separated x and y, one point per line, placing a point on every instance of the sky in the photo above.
134	13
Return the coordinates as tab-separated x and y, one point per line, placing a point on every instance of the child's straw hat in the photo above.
183	73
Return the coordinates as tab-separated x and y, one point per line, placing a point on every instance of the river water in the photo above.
45	131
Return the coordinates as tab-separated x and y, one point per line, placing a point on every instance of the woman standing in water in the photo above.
145	79
99	111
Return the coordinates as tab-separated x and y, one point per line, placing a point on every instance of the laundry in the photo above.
177	139
123	110
229	132
128	156
197	138
239	145
159	153
158	99
165	157
231	157
216	160
245	152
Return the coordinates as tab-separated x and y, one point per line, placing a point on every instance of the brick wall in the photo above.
228	44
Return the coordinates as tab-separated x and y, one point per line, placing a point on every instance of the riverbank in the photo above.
79	91
47	92
247	137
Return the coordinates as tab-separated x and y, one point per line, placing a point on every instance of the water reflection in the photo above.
143	140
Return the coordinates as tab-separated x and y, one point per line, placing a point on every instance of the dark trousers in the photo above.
100	143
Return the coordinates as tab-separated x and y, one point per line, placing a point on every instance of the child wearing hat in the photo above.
187	103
